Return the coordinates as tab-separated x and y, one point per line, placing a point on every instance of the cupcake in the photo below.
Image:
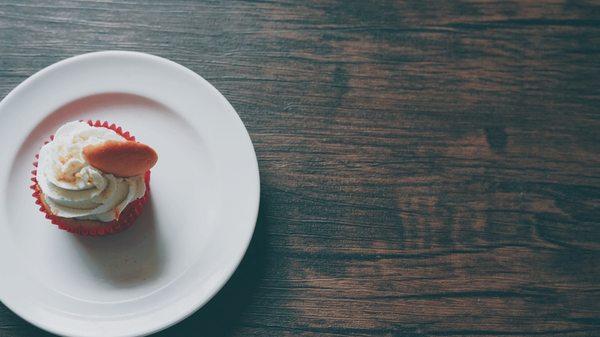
92	178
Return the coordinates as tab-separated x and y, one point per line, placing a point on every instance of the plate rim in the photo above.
201	301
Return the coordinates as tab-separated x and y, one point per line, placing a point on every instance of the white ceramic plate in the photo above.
191	236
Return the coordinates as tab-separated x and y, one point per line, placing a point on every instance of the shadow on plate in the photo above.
217	318
130	258
127	259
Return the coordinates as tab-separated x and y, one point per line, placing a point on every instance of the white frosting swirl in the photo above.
72	188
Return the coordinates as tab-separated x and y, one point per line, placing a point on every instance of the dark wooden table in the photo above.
428	168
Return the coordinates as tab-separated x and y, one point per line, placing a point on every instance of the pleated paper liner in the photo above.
89	227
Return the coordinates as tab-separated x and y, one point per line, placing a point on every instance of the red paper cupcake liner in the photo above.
88	227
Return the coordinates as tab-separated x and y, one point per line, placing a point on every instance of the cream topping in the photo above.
72	188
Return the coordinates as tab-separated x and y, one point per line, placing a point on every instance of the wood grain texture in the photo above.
428	168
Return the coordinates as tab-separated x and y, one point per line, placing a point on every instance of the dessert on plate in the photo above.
92	178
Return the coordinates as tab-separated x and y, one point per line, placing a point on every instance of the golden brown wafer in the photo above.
123	159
